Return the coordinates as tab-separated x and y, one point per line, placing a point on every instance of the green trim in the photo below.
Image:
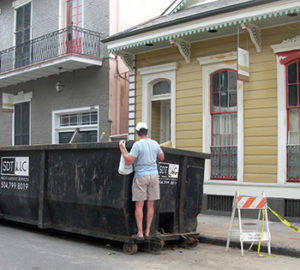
206	28
178	7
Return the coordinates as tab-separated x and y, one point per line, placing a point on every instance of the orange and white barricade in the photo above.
245	203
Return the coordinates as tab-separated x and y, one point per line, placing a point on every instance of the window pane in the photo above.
88	136
215	83
73	119
232	80
227	91
65	137
161	88
25	118
294	126
85	118
292	73
21	119
299	71
232	99
224	101
225	129
224	80
18	126
292	95
27	12
64	120
94	118
215	101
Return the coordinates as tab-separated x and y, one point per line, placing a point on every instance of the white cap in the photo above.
141	125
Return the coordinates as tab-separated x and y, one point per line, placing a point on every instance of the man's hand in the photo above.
128	158
122	144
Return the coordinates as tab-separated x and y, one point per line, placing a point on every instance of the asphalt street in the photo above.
27	249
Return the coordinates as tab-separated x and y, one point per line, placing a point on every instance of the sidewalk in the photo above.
284	241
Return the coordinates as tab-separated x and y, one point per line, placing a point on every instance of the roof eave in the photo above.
188	19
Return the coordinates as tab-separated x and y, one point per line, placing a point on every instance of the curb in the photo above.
284	251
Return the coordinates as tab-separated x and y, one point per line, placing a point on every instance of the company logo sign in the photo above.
18	166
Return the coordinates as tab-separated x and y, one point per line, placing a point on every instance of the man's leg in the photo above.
150	213
139	217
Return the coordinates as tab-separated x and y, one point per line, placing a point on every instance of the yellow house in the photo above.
223	77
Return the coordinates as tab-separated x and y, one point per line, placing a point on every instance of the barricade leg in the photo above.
241	231
268	230
230	226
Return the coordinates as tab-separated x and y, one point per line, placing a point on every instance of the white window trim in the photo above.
56	118
21	98
62	14
150	75
18	3
209	65
284	46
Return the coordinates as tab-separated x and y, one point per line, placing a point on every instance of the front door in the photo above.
22	35
74	23
161	111
21	123
165	121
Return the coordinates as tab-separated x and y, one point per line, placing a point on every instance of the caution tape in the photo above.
260	236
284	221
261	233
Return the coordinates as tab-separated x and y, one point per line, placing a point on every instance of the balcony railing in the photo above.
224	162
293	152
71	40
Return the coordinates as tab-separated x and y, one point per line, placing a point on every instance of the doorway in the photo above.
22	35
161	111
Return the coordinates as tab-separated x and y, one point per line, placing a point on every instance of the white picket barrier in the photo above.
245	203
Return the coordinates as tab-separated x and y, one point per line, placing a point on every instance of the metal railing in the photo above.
224	162
293	158
70	40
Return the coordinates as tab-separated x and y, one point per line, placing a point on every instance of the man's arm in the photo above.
129	159
161	156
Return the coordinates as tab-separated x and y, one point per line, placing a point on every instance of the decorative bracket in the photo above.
128	59
184	48
255	34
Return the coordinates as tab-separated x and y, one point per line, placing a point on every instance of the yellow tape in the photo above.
261	233
284	221
260	236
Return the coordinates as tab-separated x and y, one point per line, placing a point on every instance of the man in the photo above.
145	186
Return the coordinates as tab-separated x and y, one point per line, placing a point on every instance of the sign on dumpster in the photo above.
168	173
14	173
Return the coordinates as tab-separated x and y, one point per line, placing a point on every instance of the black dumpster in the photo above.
77	188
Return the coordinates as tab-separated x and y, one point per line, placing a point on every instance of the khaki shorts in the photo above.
145	188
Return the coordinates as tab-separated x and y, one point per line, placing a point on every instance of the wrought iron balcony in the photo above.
71	41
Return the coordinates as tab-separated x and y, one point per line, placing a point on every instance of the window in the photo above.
161	88
21	123
81	120
293	114
223	85
22	35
